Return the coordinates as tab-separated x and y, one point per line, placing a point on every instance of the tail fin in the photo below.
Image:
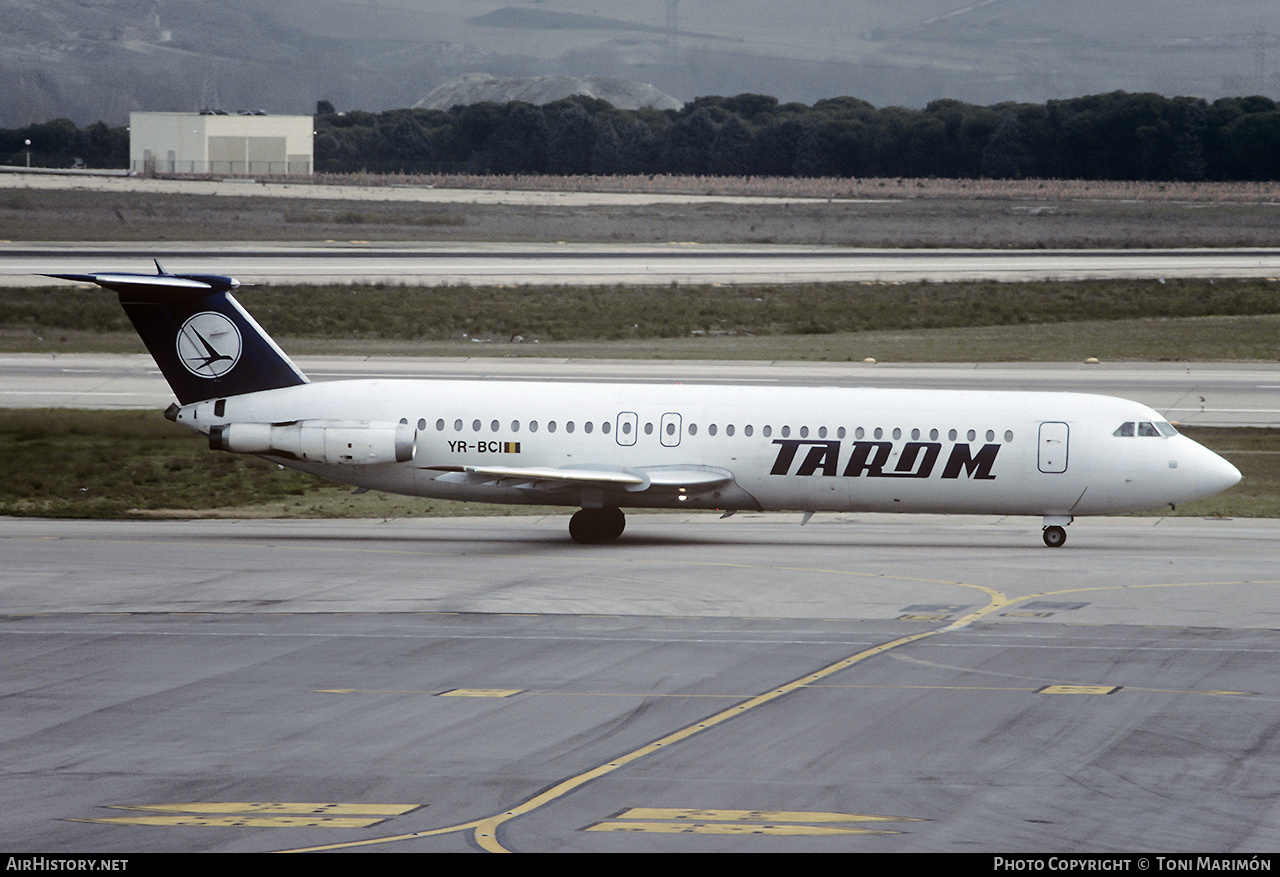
205	343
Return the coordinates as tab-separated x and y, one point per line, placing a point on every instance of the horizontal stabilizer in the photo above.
147	282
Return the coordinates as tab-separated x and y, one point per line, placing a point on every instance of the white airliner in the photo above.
605	447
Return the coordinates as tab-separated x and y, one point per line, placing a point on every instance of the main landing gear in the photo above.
589	526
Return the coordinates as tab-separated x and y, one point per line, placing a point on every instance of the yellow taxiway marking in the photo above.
783	823
733	828
258	814
704	815
276	807
245	821
1078	689
480	692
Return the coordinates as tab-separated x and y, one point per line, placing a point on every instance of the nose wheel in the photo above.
590	526
1055	536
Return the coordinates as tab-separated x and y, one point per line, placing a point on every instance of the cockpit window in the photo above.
1146	428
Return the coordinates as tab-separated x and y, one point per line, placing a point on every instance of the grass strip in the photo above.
41	318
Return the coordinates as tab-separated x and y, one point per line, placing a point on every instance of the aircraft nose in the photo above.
1214	474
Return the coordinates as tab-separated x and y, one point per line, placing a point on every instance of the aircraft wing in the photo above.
632	479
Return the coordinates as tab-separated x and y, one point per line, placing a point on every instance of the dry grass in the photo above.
830	187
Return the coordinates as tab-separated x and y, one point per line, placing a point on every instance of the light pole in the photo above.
28	143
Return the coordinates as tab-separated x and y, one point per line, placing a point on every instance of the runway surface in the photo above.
862	683
1203	394
661	264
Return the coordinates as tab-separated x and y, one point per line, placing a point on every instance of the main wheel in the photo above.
1054	536
590	526
586	527
614	522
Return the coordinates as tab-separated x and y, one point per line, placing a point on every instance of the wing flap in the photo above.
540	477
633	479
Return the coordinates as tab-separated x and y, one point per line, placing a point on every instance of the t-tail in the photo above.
205	343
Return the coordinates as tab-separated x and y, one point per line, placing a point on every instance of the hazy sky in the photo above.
882	50
101	60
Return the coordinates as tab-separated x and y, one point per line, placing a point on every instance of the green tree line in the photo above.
60	143
1116	136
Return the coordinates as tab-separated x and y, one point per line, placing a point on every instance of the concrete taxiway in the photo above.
862	683
528	264
1200	394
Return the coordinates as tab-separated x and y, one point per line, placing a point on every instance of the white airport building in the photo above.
220	143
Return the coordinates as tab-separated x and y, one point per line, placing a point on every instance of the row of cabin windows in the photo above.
729	430
496	426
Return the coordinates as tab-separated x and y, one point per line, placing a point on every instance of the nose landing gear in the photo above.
1055	532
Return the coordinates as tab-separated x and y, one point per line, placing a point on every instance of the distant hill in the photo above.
100	59
538	90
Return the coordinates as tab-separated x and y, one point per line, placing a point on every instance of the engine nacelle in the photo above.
334	442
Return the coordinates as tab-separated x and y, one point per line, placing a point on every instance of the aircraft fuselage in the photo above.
810	449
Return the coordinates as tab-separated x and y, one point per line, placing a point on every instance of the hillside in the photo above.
99	59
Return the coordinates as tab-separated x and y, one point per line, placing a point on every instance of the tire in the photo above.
586	528
614	522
